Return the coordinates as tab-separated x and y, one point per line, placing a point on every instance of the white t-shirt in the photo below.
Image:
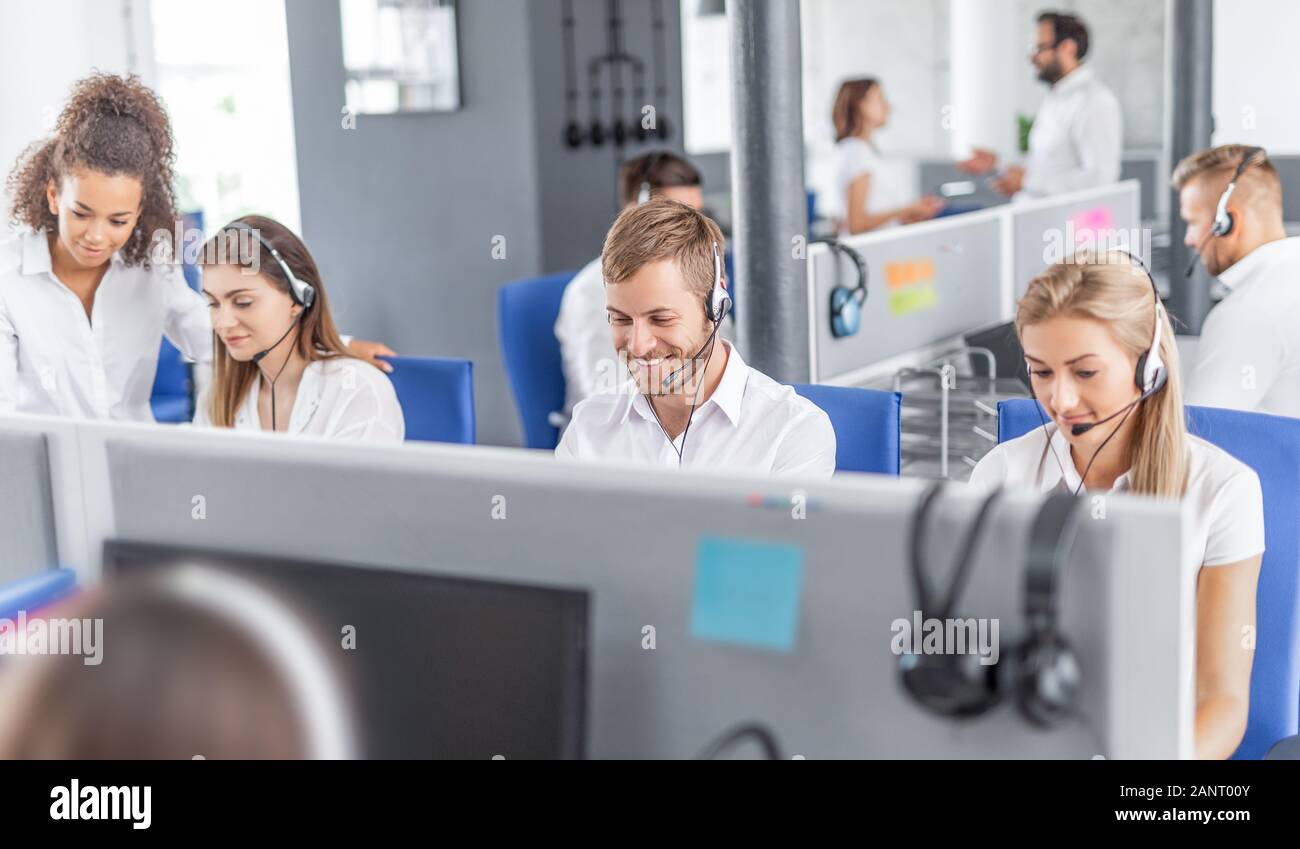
1077	140
893	181
1249	354
1224	504
751	423
341	398
54	360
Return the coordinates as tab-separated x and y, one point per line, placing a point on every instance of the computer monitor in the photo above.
441	668
1003	342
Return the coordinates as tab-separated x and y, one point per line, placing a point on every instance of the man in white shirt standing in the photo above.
1077	138
1248	357
582	326
691	400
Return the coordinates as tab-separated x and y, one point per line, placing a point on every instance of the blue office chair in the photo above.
1271	446
866	423
437	398
40	590
527	312
172	400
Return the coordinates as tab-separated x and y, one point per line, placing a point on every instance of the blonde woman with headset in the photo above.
1104	366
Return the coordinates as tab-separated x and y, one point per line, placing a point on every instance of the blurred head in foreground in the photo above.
195	663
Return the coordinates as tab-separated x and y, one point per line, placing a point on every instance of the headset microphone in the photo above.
258	357
1081	429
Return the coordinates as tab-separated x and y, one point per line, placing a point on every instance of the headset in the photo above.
716	306
1150	376
647	169
951	685
1223	220
1047	674
301	293
846	303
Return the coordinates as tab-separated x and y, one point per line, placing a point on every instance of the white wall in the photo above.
1257	74
45	47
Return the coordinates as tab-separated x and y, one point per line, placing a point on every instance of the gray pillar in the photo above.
769	208
1191	125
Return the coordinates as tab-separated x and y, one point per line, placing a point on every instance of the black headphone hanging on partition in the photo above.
1047	674
846	302
948	684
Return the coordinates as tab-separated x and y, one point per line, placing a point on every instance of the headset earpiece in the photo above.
846	303
719	301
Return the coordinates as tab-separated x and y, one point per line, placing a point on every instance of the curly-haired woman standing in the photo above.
88	287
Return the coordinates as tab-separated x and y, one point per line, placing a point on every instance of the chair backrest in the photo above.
172	400
867	424
437	398
527	312
1271	446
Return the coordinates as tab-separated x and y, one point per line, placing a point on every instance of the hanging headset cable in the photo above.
738	734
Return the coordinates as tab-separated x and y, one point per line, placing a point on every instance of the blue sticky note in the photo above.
747	593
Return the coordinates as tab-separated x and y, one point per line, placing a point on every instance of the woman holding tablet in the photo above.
89	285
280	364
1104	365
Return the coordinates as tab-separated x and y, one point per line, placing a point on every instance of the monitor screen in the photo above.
435	666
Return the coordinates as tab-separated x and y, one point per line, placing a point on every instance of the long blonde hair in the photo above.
318	338
1113	289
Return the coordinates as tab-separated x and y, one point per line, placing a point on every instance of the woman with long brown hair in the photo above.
1104	366
874	190
280	365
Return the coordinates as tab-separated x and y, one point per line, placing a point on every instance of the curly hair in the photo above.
116	126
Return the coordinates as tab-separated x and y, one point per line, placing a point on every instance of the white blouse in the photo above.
54	360
893	181
341	398
1224	505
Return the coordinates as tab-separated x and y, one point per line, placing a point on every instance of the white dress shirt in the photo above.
341	398
591	365
751	423
1248	357
893	181
1223	506
1077	138
56	361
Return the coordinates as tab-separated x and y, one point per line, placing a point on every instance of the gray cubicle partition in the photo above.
1046	231
1145	169
714	599
27	530
928	283
1288	170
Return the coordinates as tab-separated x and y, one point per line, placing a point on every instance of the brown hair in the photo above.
318	338
112	125
1112	289
660	169
175	680
659	230
847	112
1259	180
1067	28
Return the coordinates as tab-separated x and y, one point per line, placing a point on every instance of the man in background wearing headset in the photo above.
582	326
1249	354
691	400
1077	139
